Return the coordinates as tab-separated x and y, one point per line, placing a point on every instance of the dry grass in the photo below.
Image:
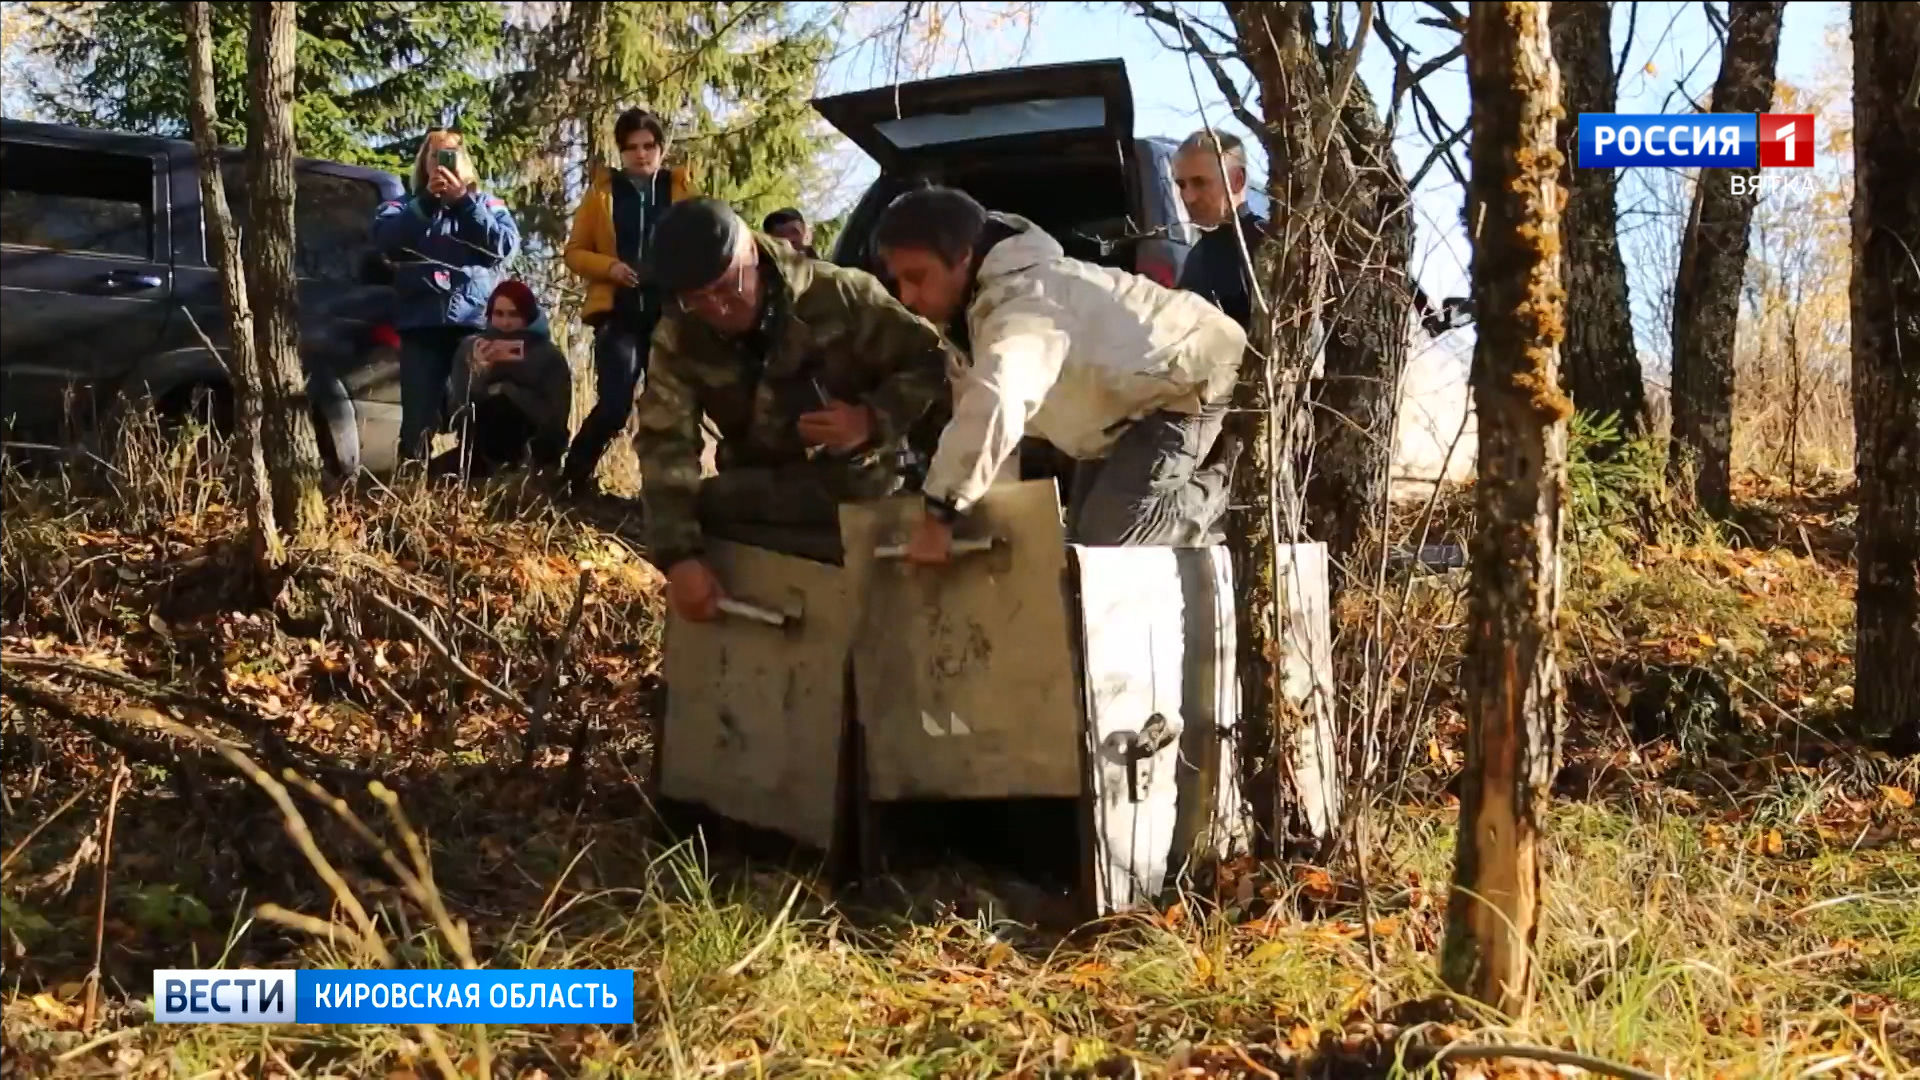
1752	916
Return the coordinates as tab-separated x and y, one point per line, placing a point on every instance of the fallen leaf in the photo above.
1268	951
1314	882
58	1010
999	954
1898	798
1202	968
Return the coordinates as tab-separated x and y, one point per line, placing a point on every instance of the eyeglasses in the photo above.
647	147
719	298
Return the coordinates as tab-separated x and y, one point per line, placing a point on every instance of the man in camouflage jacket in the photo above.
817	382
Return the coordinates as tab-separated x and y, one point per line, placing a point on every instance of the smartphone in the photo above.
448	159
513	350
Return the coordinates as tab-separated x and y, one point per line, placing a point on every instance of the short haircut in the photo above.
786	215
1227	145
636	120
943	220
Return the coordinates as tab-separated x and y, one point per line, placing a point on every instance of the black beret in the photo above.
694	244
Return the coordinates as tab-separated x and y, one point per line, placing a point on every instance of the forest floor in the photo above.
1726	895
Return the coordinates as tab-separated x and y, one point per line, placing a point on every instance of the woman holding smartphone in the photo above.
448	241
512	390
611	248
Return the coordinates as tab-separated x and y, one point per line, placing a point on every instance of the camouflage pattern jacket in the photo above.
825	326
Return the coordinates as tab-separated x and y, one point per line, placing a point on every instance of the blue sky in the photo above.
1671	43
1674	38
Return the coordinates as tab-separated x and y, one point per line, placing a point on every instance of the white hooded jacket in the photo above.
1072	352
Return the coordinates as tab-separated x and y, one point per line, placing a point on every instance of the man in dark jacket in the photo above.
790	224
815	380
1210	169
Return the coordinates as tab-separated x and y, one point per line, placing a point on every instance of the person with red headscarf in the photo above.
511	389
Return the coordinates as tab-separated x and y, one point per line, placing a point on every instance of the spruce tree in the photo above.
370	78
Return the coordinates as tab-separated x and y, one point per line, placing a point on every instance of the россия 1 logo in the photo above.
1709	140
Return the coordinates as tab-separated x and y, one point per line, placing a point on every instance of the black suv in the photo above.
1052	143
104	276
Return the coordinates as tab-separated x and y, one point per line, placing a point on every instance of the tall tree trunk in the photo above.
292	453
1514	691
1713	261
1600	365
1371	299
1886	365
243	366
1269	417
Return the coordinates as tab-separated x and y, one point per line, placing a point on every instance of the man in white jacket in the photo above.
1127	377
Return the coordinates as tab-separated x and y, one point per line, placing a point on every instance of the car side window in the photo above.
332	216
76	201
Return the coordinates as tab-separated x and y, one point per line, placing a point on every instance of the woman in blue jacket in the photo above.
448	242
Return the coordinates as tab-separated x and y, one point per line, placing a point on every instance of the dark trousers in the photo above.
620	349
496	435
426	360
1163	483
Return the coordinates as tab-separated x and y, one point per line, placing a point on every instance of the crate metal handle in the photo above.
968	546
779	620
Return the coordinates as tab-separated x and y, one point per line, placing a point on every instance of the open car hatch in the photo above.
910	127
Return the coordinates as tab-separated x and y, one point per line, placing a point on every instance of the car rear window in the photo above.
332	216
78	201
996	122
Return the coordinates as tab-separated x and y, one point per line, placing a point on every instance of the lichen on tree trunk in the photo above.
1599	364
1885	298
292	452
1514	692
1713	262
243	365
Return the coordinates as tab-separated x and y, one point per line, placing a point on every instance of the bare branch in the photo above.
254	727
1626	48
1442	151
1444	139
543	694
1452	16
439	649
1236	101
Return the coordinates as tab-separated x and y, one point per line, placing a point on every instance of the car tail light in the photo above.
1157	269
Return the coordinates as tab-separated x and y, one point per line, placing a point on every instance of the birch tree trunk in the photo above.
292	453
1600	364
1514	694
243	365
1713	262
1886	366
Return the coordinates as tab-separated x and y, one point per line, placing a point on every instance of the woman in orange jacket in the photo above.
610	247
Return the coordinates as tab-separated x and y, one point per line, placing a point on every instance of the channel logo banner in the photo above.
543	996
1701	140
